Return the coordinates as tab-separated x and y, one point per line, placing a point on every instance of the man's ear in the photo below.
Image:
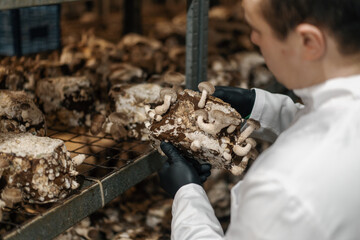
312	41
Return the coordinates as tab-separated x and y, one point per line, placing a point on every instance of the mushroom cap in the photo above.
222	117
168	91
251	141
206	86
201	112
174	78
253	123
13	195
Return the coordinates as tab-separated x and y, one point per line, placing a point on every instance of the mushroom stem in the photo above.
150	112
169	96
227	157
242	150
245	134
79	159
210	128
239	169
202	101
206	88
165	106
231	128
252	125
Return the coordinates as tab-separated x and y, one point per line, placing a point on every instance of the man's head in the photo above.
302	40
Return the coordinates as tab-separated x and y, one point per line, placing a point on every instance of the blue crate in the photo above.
29	30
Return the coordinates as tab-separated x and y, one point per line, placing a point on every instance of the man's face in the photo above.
280	56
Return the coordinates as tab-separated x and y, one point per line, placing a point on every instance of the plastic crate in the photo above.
29	30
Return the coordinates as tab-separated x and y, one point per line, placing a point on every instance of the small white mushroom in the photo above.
206	89
195	145
244	148
150	112
210	128
169	96
79	159
227	156
231	128
221	120
74	185
11	196
239	169
251	126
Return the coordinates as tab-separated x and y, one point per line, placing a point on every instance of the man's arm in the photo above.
275	112
193	216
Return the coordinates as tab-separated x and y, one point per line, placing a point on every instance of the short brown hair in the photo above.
340	17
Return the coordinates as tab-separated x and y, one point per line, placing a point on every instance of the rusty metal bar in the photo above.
92	196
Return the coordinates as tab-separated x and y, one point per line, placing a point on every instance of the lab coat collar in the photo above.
316	95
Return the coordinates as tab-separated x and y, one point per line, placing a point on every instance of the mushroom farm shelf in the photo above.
110	168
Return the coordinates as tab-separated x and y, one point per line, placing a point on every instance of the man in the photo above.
307	184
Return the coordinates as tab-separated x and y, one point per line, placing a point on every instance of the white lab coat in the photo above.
305	186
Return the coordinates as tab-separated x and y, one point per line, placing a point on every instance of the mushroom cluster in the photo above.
131	104
35	169
18	114
203	127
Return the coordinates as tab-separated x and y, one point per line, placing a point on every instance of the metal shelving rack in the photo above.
96	192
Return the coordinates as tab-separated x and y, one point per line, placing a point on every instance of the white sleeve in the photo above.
275	112
262	208
193	215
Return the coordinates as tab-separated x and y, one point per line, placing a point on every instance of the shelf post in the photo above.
196	42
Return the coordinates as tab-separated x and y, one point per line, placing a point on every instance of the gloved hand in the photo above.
178	171
239	98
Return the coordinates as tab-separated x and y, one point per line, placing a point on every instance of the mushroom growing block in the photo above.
128	115
18	114
203	133
67	99
36	169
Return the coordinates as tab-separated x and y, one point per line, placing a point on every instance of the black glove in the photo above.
241	99
178	171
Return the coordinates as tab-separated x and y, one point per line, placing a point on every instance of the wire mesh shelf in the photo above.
109	169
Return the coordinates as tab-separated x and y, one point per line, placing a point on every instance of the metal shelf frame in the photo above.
196	42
